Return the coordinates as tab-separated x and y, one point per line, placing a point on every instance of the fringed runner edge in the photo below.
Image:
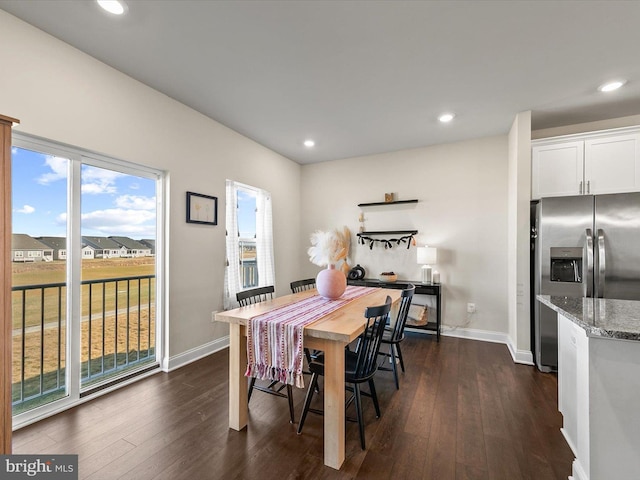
275	349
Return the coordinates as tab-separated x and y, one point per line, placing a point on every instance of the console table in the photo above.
421	288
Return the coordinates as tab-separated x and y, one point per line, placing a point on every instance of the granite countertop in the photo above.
600	317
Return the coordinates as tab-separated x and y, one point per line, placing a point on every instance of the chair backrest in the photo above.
403	313
301	285
369	342
255	295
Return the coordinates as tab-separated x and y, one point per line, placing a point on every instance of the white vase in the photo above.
331	283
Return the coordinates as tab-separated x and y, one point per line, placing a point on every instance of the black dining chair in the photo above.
394	335
302	285
360	367
255	295
249	297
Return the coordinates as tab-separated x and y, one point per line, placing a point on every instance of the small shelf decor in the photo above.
407	236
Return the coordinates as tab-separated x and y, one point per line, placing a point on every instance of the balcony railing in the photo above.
249	273
248	263
117	335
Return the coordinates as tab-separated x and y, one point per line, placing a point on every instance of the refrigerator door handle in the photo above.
601	264
589	277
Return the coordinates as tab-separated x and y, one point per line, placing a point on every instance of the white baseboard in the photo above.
578	472
197	353
519	356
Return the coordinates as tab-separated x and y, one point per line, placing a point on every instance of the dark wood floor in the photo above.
464	411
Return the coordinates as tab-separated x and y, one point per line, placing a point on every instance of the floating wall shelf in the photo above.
389	232
397	202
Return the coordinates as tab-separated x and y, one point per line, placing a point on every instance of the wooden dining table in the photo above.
331	334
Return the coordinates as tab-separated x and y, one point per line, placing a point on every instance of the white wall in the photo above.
519	238
61	94
462	210
629	121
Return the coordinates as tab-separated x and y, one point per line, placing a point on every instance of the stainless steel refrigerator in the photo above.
585	246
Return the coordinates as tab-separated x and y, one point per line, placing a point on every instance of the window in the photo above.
249	240
82	321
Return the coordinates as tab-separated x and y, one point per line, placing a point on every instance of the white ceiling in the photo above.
363	77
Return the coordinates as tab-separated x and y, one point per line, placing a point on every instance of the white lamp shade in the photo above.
427	255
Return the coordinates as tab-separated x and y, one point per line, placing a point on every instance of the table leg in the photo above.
237	381
334	434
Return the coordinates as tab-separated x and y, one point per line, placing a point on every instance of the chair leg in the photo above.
374	397
252	382
358	402
307	401
309	356
400	356
394	367
290	398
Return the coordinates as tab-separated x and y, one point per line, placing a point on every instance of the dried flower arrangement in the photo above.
328	248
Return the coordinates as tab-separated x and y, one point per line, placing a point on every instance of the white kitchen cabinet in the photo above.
569	338
598	396
612	164
558	169
603	162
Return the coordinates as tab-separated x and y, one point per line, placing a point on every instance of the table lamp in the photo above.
427	256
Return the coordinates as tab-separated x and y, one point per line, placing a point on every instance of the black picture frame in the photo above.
202	209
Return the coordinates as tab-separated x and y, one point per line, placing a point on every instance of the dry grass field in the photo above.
138	322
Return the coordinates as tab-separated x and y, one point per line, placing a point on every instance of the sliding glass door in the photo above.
85	274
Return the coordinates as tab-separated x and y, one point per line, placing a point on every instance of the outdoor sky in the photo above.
112	203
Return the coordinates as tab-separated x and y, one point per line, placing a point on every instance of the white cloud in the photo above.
120	221
58	166
136	202
26	209
98	180
97	188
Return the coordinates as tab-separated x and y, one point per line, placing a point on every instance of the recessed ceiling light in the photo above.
611	86
117	7
446	117
309	143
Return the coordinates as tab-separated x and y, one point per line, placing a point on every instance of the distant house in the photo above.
149	242
27	249
134	247
104	247
58	244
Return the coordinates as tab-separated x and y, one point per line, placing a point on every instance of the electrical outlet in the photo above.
471	308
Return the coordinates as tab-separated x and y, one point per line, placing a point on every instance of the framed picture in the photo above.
202	209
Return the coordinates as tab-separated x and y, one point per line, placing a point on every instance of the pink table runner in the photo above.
274	339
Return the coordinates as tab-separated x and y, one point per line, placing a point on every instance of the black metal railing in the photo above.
117	334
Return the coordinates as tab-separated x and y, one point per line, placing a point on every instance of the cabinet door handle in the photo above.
588	186
581	187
